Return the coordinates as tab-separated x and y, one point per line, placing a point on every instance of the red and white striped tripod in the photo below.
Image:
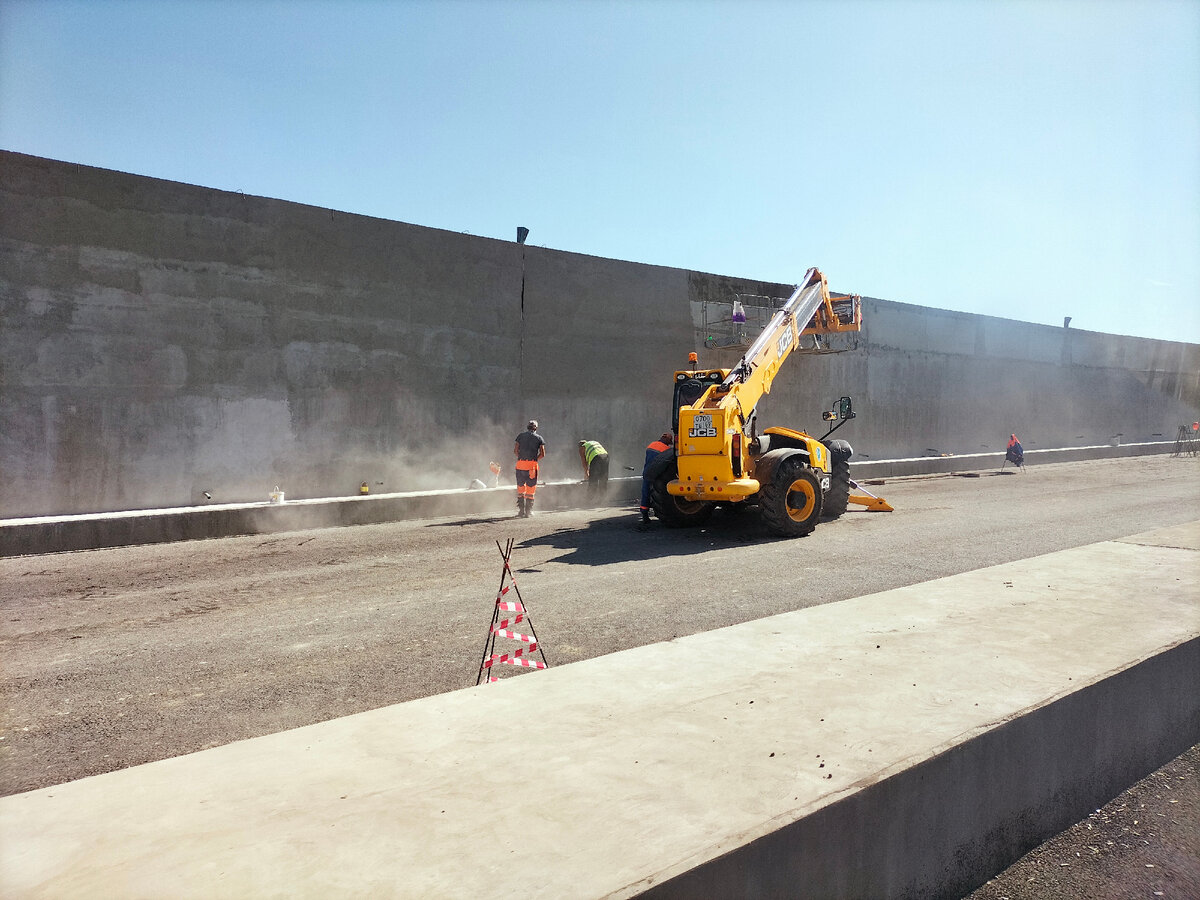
526	644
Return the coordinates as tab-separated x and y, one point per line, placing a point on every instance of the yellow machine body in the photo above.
720	458
711	470
715	449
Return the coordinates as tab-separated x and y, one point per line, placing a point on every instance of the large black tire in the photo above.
672	511
837	498
791	500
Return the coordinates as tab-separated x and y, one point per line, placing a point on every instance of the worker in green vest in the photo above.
594	458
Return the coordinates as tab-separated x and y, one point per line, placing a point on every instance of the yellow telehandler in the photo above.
719	458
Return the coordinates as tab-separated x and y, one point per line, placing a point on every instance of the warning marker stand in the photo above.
526	644
1185	440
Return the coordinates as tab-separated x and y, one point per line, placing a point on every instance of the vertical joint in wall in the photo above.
521	339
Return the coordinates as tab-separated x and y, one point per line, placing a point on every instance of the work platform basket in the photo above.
734	324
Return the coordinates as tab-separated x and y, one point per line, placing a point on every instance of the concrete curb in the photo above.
976	462
1000	795
56	534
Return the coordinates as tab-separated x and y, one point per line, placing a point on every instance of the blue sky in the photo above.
1030	160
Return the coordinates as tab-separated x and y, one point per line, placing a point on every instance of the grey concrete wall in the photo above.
158	340
934	381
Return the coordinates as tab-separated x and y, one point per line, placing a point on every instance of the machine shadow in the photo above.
613	540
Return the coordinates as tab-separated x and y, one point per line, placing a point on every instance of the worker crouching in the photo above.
594	458
662	445
529	448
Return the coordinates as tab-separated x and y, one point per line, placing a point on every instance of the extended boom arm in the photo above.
758	367
719	456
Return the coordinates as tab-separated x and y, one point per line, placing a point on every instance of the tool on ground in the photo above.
526	644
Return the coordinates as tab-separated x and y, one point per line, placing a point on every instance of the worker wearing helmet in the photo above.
594	459
529	448
662	445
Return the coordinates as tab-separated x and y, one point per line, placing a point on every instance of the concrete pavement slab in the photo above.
616	775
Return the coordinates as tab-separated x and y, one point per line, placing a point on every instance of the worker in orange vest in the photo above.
1015	453
662	445
529	448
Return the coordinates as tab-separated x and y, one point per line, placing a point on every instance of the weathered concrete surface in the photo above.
53	534
902	744
158	340
995	460
933	380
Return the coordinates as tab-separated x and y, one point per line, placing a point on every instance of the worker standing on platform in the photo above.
594	458
662	445
529	448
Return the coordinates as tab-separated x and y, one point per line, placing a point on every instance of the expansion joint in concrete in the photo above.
521	337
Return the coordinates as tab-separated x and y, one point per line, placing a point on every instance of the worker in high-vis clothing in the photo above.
594	458
529	448
1014	453
662	445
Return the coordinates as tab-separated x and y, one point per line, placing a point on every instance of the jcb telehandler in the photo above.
720	458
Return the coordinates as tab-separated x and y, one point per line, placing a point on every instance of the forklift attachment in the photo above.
869	500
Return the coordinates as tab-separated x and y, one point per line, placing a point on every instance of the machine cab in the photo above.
690	386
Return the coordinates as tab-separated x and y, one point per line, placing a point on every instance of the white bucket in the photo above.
277	495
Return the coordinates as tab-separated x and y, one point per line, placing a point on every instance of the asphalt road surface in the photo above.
116	657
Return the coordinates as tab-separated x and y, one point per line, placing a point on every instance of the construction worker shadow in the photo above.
477	520
613	540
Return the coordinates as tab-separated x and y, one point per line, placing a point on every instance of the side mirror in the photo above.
845	409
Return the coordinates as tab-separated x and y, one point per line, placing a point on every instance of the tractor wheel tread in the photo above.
837	498
672	511
773	496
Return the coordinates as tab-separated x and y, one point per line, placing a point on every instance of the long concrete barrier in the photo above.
904	744
55	534
974	462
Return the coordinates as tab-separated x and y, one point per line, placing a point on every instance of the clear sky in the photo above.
1031	160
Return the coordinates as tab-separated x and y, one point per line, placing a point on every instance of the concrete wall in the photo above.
159	340
933	381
